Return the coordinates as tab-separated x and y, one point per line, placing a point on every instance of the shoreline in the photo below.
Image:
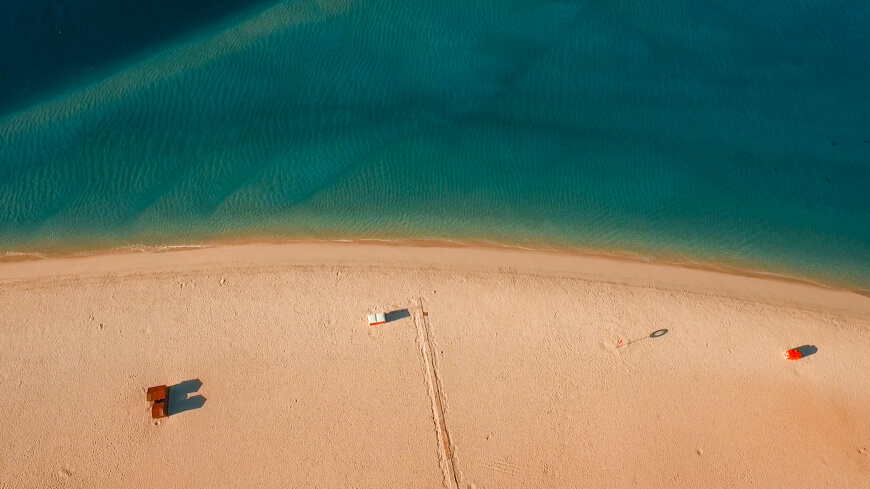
620	256
442	256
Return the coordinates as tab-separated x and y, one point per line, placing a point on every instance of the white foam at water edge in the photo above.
23	253
150	248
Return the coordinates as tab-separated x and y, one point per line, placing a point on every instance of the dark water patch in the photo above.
50	44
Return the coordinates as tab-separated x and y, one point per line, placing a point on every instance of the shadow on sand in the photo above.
396	315
655	334
807	350
180	399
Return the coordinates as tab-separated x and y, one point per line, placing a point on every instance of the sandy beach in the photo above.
497	369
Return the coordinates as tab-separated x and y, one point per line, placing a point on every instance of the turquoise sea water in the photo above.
723	132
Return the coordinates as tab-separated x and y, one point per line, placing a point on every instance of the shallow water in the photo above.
735	134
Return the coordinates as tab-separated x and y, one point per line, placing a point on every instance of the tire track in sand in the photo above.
433	383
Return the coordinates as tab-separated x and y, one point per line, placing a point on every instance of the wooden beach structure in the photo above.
159	398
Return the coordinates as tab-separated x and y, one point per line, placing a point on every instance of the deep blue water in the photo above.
724	132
